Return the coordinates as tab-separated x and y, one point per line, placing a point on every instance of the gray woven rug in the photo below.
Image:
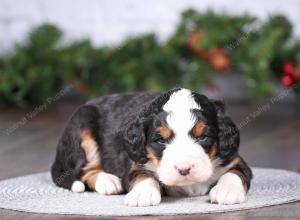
36	193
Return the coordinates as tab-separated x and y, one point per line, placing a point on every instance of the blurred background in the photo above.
56	54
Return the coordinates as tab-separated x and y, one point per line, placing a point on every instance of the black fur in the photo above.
228	135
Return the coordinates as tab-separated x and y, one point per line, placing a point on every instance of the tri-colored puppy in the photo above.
177	143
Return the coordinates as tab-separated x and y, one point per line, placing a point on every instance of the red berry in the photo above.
287	80
289	68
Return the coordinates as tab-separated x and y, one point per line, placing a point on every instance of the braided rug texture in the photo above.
36	193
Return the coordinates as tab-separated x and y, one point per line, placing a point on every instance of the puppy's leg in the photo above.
93	174
70	157
233	185
102	182
78	158
144	190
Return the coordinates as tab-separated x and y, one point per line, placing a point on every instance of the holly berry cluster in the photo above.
291	74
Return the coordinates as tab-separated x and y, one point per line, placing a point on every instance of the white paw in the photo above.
145	193
228	191
108	184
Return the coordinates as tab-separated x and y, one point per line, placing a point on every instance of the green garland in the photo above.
39	67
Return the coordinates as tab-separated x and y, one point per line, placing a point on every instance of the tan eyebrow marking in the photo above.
198	129
164	131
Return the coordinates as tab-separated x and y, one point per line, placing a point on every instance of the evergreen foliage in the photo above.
39	67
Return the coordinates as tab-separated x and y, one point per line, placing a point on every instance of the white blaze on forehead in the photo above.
179	108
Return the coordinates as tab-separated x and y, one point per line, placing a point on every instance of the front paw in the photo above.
228	191
108	184
145	193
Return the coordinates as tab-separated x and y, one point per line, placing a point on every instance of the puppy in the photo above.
148	144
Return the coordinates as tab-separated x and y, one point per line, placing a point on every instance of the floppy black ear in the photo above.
135	141
229	137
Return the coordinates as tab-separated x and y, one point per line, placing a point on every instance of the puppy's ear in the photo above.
229	137
135	131
135	141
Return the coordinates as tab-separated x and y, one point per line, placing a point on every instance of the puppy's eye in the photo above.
202	138
160	140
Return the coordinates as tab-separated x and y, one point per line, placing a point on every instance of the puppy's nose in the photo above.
183	171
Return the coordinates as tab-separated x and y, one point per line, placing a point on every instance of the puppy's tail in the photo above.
67	176
78	186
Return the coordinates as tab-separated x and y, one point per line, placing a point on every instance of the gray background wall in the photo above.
109	21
